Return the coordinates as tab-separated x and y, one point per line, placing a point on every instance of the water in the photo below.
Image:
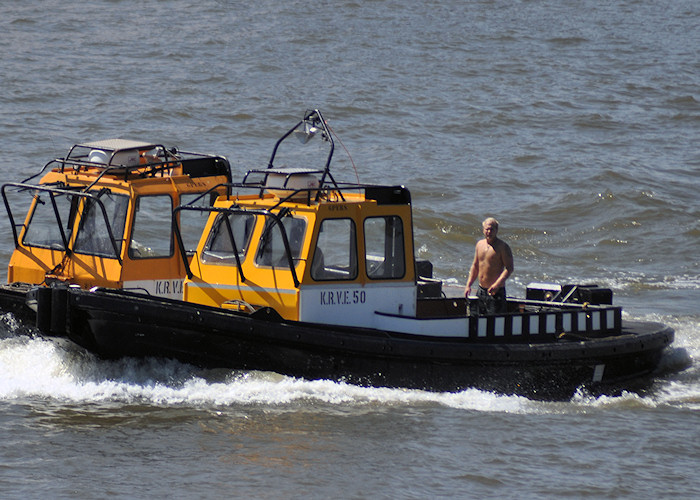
574	123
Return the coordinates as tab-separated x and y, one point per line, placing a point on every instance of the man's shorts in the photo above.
491	304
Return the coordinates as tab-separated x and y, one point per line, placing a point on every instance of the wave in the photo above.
36	368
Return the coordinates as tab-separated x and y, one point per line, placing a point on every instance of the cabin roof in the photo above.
117	144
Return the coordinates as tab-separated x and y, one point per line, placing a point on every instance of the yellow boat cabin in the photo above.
307	259
295	241
103	216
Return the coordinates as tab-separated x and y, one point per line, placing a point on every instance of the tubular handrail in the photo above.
52	193
229	210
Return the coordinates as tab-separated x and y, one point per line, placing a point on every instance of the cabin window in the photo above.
43	229
384	248
271	251
228	228
335	255
93	237
192	222
152	235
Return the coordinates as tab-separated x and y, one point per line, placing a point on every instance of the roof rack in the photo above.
128	158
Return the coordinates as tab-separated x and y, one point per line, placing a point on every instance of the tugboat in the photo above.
302	275
101	217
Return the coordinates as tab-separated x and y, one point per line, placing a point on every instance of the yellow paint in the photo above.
221	285
36	265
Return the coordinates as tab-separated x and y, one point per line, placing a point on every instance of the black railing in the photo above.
53	192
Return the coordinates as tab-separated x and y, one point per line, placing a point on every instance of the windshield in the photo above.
271	250
92	237
43	228
235	227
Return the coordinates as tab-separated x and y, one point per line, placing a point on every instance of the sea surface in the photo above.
575	123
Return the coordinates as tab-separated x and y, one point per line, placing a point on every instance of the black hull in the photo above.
13	299
115	324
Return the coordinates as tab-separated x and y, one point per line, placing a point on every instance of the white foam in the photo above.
33	367
36	367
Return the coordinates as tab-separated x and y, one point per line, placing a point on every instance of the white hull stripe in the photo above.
334	286
242	288
509	325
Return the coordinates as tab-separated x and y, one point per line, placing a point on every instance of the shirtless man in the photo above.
493	263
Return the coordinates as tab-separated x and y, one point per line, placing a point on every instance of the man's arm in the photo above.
473	273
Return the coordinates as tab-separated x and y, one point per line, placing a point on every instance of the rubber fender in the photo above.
43	295
59	306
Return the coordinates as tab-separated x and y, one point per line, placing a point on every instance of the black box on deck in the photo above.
424	268
593	294
428	287
542	291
